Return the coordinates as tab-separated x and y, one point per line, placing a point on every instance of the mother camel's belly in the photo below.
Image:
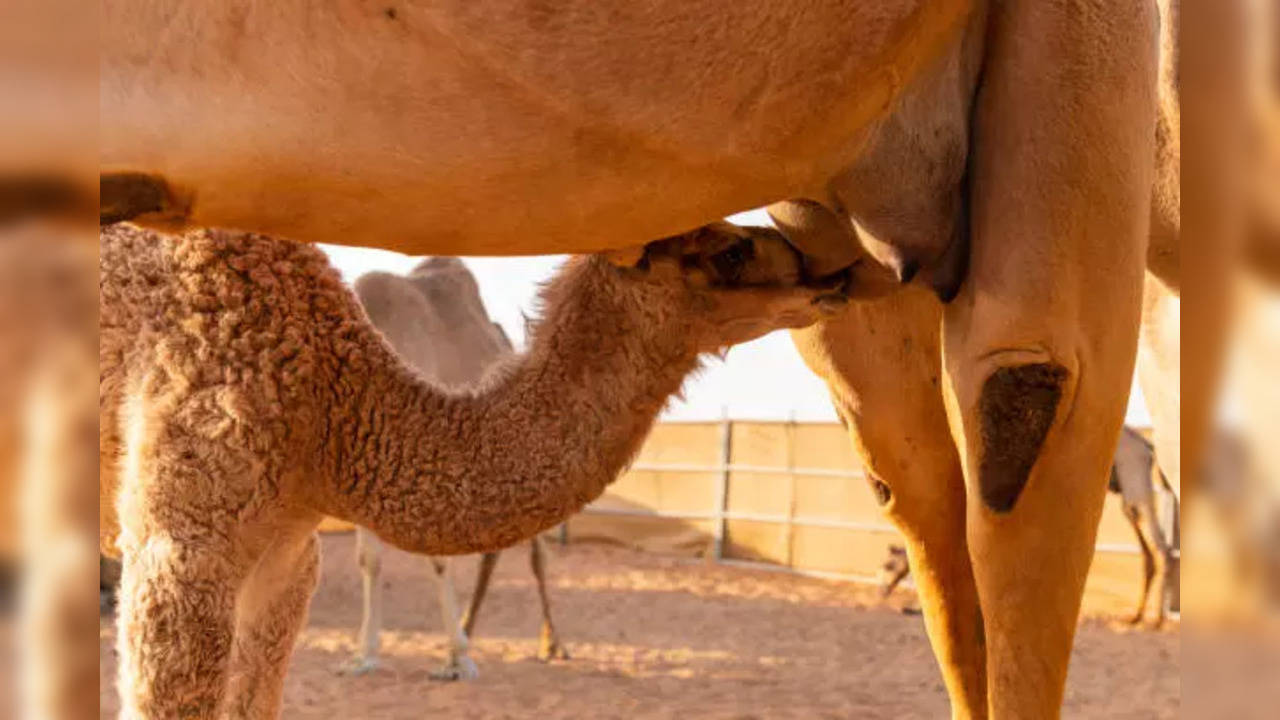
500	127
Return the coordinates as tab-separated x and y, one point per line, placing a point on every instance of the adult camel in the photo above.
1016	136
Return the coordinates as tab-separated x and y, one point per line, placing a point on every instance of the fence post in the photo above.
722	491
791	488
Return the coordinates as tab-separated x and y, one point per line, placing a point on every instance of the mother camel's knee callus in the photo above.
1016	409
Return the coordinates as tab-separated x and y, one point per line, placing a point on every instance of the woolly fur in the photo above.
244	395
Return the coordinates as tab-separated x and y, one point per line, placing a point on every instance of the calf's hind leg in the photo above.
1039	346
183	559
271	609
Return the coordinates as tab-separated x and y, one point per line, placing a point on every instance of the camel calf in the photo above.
245	396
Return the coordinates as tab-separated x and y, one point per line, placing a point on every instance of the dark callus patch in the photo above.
1016	410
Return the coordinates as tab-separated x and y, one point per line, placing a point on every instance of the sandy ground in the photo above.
654	637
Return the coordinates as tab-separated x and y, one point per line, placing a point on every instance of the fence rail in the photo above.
721	515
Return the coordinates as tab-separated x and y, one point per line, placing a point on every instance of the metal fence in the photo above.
721	515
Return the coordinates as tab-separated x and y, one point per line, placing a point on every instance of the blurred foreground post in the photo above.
48	350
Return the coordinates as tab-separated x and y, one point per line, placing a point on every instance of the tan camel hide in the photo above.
505	128
454	127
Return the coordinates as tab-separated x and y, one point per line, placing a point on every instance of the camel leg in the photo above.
1148	527
1039	346
549	645
483	573
898	576
185	554
270	610
881	363
369	558
460	666
176	620
1171	587
1148	565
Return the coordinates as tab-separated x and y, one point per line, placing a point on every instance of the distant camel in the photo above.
895	568
1135	475
435	320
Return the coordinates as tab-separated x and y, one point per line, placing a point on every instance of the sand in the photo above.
655	637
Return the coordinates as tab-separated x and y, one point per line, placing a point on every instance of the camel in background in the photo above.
895	568
108	584
999	153
1136	477
436	322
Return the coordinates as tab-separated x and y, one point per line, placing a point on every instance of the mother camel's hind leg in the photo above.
1039	346
882	365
